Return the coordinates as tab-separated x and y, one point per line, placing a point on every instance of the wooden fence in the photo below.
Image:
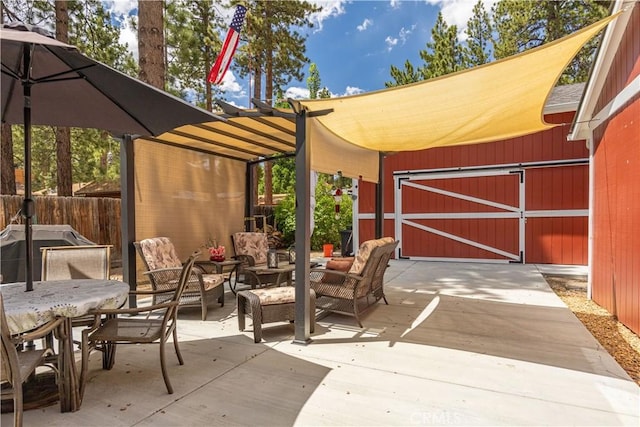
96	218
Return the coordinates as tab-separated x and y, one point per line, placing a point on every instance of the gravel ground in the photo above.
617	339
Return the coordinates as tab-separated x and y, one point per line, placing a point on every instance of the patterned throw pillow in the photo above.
254	244
336	264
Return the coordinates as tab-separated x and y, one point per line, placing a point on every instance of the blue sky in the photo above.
353	43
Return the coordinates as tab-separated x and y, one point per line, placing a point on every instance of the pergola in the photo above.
499	100
495	101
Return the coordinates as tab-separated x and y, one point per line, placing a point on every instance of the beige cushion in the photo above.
254	244
272	296
212	280
364	251
160	253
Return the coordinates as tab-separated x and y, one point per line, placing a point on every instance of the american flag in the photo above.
228	48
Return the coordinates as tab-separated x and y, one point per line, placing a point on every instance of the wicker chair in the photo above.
156	326
16	366
158	253
357	290
251	250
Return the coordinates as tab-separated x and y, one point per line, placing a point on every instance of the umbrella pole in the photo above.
27	204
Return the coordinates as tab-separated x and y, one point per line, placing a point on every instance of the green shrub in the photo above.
327	226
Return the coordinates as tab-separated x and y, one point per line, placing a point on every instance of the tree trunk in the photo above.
63	135
8	175
268	92
151	42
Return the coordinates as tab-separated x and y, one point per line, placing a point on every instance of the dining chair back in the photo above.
76	262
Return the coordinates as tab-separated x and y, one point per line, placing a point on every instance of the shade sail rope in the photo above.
499	100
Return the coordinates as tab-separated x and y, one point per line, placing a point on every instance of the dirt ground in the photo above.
617	339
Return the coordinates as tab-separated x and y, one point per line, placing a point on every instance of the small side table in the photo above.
230	265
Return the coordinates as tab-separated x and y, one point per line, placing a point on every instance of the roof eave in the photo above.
580	128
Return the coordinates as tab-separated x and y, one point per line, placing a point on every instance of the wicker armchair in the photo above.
156	326
251	250
16	366
358	289
158	253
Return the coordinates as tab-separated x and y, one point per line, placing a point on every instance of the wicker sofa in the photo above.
358	289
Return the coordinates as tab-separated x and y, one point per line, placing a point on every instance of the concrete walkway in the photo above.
458	344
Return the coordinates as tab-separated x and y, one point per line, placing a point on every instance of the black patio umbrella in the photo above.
63	87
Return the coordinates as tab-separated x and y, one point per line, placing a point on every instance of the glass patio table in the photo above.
61	298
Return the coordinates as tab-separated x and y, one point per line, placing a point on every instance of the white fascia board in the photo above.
608	49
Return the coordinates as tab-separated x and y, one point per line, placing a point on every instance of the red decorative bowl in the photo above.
217	258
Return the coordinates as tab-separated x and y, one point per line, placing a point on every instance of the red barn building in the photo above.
609	118
520	200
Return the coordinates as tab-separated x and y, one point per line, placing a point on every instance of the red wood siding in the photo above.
548	240
559	240
616	244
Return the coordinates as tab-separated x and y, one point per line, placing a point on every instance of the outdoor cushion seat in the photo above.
251	250
271	305
159	254
359	288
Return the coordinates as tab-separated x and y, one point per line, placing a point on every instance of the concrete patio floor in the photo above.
458	344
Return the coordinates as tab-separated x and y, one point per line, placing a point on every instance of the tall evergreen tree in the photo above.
522	25
479	37
406	76
313	81
444	53
193	41
275	51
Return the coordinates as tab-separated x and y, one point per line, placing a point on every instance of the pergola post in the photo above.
128	214
379	228
302	234
249	225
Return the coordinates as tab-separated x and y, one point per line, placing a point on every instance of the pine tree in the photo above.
192	43
403	77
479	37
313	81
522	25
444	54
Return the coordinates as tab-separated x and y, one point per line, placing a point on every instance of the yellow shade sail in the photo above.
499	100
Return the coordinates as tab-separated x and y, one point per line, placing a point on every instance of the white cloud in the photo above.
365	24
458	12
297	93
391	42
121	11
330	8
353	91
404	33
394	4
231	87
